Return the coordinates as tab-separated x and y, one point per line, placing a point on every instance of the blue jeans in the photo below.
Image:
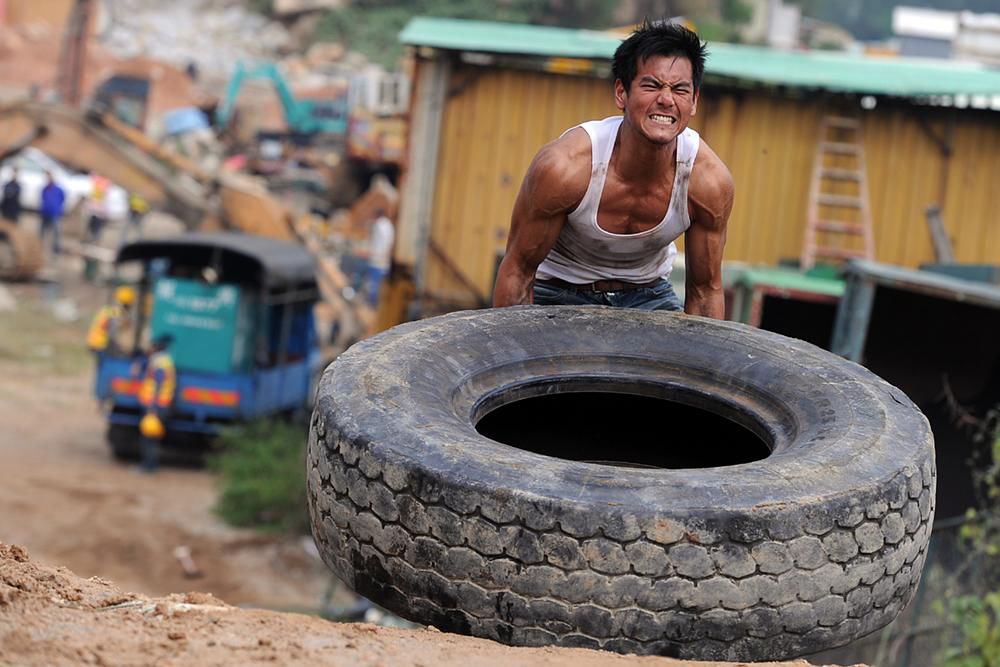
50	224
658	297
149	450
373	282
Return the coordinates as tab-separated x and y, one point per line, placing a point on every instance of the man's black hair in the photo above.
658	38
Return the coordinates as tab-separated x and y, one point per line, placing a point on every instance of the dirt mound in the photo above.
50	616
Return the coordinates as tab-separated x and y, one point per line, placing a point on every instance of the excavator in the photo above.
306	117
97	141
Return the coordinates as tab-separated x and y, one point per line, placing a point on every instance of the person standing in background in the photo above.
112	323
379	255
97	208
137	209
10	201
53	207
156	395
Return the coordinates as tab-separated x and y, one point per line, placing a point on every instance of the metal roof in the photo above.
271	263
835	71
926	282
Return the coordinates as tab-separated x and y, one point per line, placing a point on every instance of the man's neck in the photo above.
636	159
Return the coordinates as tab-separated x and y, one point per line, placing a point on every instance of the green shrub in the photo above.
261	467
977	624
976	618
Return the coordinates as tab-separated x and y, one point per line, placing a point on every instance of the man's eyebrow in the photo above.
648	78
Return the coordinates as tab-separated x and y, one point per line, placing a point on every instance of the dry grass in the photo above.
33	339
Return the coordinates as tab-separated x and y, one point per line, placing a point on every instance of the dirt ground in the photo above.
87	521
49	616
67	502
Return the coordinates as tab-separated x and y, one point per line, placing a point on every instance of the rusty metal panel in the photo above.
496	119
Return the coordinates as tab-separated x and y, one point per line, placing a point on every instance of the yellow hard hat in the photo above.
151	426
125	296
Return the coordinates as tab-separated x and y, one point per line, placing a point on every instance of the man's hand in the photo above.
555	183
710	196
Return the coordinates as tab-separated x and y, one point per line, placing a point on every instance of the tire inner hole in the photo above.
622	429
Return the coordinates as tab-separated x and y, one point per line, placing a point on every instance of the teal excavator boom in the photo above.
320	116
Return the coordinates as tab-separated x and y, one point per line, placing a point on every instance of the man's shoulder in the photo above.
571	147
711	189
710	173
565	162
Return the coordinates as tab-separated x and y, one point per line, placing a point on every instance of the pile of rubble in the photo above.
210	34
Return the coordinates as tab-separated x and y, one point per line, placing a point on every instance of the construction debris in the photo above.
183	555
226	34
8	304
289	7
380	196
20	252
65	310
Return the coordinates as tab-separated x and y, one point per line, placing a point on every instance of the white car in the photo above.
32	166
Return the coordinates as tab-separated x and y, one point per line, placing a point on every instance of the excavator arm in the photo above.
102	144
269	72
86	142
307	116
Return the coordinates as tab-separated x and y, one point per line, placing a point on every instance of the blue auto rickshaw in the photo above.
240	311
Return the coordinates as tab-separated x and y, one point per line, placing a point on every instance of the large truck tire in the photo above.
818	543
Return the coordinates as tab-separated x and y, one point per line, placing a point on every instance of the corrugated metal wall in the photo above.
495	120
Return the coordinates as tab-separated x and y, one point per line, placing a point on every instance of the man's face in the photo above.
661	100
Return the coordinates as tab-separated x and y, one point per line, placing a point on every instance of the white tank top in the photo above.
585	253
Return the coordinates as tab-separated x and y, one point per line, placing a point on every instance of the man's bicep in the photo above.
552	187
540	211
533	232
705	240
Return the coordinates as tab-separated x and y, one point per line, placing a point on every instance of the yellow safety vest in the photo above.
137	203
162	396
100	329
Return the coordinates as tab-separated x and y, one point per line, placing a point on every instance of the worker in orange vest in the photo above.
110	321
156	395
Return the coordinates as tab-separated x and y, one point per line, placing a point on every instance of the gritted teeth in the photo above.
662	118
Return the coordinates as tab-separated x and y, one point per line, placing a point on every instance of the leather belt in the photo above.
598	285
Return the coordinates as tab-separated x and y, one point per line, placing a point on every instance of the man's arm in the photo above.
555	183
711	195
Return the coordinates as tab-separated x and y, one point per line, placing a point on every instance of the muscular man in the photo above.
600	207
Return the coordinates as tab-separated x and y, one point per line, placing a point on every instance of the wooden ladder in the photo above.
838	225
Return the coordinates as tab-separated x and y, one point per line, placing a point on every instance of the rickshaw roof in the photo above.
266	262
